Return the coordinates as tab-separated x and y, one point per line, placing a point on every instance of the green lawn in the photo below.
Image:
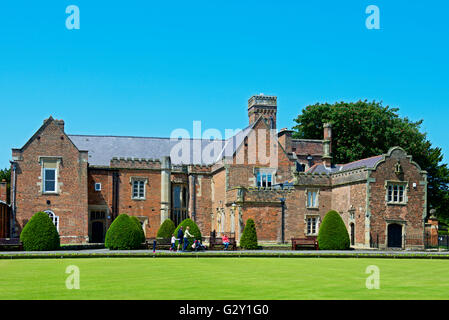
224	278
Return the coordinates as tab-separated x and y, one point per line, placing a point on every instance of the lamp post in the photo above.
282	220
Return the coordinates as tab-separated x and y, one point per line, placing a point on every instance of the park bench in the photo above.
160	243
8	243
308	242
215	242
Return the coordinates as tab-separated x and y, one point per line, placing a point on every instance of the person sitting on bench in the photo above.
225	240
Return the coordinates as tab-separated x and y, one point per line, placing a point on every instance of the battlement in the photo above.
135	163
262	100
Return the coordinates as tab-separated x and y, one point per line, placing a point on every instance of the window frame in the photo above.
393	191
44	180
316	202
266	177
97	184
140	181
315	225
54	218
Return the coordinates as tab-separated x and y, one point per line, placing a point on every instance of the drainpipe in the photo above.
13	201
192	189
282	220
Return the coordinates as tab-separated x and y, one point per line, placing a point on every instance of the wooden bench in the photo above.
160	243
310	242
8	243
218	241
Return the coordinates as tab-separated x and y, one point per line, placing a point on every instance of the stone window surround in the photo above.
131	182
406	190
318	221
265	170
317	190
42	160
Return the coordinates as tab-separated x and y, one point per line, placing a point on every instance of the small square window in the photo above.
97	186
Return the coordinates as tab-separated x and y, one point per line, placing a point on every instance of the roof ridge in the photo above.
137	137
344	164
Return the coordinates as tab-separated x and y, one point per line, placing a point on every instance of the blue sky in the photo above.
144	68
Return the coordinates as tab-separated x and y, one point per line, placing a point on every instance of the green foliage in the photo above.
166	229
40	234
333	234
123	234
6	174
249	236
139	225
194	230
363	129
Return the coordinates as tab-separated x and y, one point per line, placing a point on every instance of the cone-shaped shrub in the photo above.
194	230
40	234
123	234
166	229
139	225
333	234
249	236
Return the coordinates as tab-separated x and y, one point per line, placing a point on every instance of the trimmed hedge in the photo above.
123	234
40	234
249	236
166	229
333	234
194	230
139	225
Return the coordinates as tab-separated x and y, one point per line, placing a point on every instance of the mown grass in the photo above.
224	278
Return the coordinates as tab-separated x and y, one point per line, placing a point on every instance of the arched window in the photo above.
53	218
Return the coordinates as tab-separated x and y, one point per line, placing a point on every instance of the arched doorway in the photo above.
352	227
394	235
97	232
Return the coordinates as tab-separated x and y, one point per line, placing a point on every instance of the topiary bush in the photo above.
40	234
194	230
166	229
123	234
333	234
139	225
249	236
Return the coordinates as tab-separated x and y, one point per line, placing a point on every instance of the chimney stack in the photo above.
327	144
4	191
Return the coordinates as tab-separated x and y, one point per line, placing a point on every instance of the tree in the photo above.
40	234
333	234
123	234
166	229
363	129
249	236
139	225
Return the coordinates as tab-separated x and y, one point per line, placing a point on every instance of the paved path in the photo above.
103	252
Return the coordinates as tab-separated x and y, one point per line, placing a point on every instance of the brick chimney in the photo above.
265	106
4	191
60	123
285	139
327	144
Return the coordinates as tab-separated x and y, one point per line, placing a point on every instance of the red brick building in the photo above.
286	185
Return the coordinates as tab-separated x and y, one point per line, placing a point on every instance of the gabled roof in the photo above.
102	149
362	163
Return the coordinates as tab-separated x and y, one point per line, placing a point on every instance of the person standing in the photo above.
187	234
180	236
